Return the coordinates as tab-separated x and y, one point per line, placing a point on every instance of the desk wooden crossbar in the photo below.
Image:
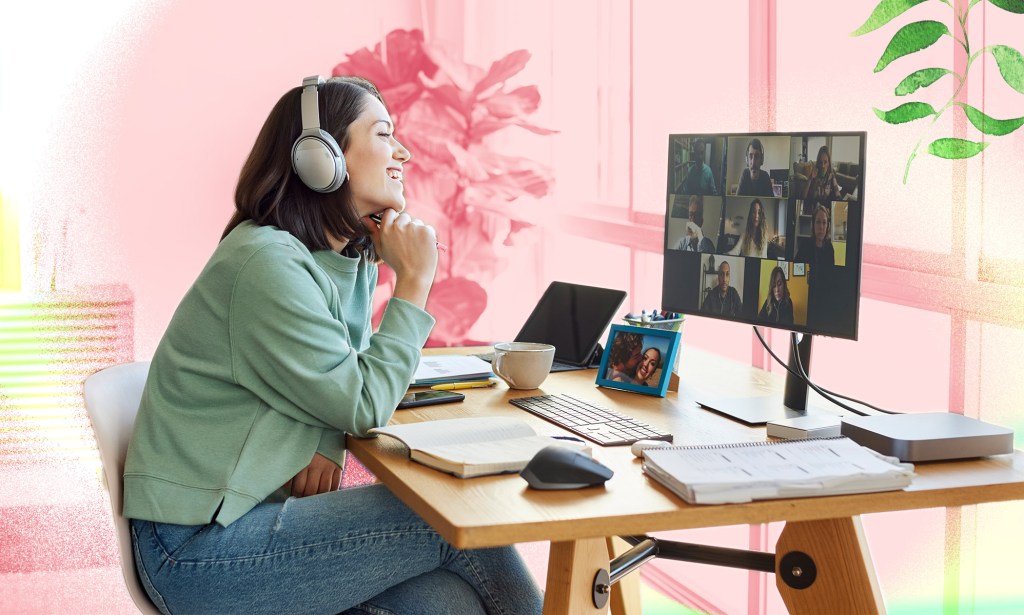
501	510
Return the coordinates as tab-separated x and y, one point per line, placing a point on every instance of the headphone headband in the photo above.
310	103
316	156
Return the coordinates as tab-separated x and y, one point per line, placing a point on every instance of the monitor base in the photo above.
756	411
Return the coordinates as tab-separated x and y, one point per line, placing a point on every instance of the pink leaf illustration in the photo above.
502	69
457	304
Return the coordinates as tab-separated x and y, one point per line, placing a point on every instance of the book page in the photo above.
483	458
457	431
517	451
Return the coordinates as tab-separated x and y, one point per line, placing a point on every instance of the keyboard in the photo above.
595	423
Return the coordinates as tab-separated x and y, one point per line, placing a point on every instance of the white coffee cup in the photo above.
522	365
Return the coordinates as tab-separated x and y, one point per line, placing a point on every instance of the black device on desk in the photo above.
572	318
429	398
558	467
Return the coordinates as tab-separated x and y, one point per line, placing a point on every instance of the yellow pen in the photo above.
451	386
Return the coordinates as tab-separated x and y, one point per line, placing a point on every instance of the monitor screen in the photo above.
766	229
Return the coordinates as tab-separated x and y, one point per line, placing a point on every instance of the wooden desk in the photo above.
501	510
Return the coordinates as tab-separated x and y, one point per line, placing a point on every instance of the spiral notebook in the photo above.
742	472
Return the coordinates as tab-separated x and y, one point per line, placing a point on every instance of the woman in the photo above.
754	181
266	365
754	240
822	186
778	306
817	250
650	361
820	256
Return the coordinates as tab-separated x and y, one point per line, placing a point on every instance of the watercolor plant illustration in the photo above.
920	35
446	111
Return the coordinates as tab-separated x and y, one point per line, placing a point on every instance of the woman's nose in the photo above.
401	153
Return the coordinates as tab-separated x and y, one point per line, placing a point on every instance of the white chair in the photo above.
112	399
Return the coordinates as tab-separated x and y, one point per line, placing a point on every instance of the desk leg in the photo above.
571	569
844	580
625	598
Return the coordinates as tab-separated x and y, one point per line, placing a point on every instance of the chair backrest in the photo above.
112	399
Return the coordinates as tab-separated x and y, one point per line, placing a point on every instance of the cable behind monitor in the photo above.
801	374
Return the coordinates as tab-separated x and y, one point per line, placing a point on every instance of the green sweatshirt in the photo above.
268	359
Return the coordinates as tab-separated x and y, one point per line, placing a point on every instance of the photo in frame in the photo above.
638	359
798	268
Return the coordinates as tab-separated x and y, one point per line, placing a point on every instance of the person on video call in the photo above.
699	179
778	306
231	480
822	186
820	256
754	181
650	361
754	240
695	241
624	356
817	250
723	299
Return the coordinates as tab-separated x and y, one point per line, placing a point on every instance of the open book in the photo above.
736	473
473	446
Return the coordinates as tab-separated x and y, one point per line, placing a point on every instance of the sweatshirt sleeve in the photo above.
289	349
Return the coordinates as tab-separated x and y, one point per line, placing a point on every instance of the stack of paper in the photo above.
439	369
736	473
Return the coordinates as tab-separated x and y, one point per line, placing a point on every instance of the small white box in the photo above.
803	427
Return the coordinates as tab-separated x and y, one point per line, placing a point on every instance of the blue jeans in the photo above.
355	551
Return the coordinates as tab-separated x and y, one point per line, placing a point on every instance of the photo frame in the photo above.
629	364
798	268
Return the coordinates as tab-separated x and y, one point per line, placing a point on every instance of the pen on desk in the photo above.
451	386
440	246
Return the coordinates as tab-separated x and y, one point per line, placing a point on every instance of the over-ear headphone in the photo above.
316	157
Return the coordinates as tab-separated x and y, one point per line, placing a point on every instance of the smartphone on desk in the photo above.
429	398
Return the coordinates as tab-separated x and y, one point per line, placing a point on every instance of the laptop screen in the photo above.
572	318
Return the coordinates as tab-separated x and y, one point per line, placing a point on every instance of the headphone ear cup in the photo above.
318	161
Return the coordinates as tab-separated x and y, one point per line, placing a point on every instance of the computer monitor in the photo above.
748	244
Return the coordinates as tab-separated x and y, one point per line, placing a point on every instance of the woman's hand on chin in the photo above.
409	247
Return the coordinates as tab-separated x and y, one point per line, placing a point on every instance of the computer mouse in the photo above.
640	446
561	467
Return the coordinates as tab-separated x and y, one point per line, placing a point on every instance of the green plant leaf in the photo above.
1011	65
1014	6
886	11
910	39
990	125
921	79
955	148
907	112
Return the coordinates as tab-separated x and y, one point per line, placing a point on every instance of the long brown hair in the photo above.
777	272
270	193
756	235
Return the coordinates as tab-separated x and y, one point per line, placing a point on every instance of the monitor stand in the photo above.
760	410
